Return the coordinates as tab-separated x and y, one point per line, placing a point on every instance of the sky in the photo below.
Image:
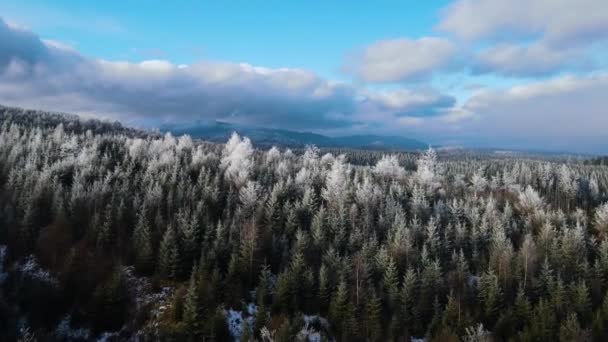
518	74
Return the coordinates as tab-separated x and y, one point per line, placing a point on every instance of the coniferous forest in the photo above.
110	233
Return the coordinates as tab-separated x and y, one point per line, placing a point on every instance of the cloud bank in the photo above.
563	112
49	75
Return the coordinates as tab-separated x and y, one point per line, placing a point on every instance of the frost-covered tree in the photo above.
337	182
601	219
428	169
388	166
530	200
237	159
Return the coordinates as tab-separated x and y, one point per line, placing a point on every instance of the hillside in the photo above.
264	137
108	233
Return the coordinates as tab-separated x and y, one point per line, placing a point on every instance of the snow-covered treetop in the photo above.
237	159
389	166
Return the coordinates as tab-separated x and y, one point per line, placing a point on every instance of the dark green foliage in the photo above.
168	256
110	303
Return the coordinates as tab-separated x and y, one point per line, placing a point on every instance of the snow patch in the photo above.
108	337
64	331
140	288
235	320
252	309
235	323
30	268
311	330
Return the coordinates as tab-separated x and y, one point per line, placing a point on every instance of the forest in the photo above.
115	234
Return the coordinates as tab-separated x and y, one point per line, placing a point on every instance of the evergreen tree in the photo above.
390	283
192	313
142	245
169	258
373	312
490	295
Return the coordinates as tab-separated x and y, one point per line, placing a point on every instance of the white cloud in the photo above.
558	21
399	60
531	60
422	103
565	113
410	121
48	75
530	37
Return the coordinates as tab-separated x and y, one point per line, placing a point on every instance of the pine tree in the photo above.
261	319
142	245
248	250
522	308
373	312
246	332
407	296
169	258
570	330
490	295
192	315
543	322
283	293
390	284
338	310
580	300
110	303
558	296
29	227
452	319
325	289
189	236
105	235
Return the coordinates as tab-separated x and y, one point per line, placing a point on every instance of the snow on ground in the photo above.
64	331
316	319
30	268
312	326
252	309
108	337
235	320
308	334
141	289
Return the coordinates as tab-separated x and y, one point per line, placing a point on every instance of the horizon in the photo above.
473	73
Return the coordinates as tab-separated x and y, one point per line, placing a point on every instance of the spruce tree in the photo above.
142	245
192	313
169	258
373	313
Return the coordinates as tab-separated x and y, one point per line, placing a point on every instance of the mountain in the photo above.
221	131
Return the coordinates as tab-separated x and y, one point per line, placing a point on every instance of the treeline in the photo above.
599	161
114	232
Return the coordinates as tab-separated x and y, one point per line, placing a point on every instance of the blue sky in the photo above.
269	33
478	73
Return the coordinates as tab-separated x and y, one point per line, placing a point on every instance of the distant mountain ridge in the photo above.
221	131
